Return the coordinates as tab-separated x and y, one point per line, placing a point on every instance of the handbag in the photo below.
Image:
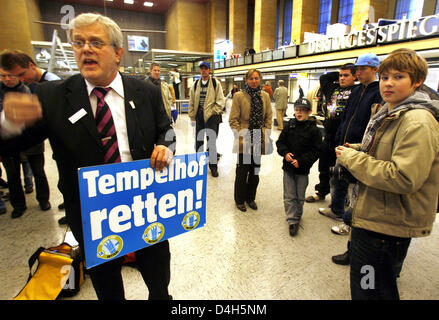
59	273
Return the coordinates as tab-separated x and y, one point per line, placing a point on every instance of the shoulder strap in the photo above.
213	81
32	260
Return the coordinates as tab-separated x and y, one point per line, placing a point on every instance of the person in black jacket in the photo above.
353	124
299	144
12	162
67	113
336	87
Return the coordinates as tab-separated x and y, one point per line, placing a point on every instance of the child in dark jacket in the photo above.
299	144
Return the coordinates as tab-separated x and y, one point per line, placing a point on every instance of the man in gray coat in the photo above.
280	96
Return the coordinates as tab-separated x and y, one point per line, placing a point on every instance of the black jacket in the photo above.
77	145
303	139
357	113
335	96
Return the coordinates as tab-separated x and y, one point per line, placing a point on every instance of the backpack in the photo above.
196	83
59	273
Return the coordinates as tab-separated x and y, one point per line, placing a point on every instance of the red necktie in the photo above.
105	125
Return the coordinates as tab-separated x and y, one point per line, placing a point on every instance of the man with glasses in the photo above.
23	66
8	83
34	155
96	117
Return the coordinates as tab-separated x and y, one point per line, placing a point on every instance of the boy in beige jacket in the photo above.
397	168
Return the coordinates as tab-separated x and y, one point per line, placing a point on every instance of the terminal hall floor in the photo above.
236	255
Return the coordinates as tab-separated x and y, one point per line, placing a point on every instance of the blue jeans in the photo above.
339	192
28	175
210	129
12	165
376	261
347	217
294	195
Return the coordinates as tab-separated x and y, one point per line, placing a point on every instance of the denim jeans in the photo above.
294	195
210	129
326	160
347	217
28	175
339	192
12	165
376	261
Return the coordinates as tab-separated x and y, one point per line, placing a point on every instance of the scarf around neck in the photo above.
155	81
256	120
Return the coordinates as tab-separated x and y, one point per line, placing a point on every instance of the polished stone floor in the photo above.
236	255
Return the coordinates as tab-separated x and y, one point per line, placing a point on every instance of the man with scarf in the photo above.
206	105
154	77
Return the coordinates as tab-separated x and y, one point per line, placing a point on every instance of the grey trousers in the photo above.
294	196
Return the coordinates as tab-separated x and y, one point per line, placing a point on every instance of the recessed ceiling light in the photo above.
128	1
148	4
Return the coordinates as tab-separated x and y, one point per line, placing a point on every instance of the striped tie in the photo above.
106	129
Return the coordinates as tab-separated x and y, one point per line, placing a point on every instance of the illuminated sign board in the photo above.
399	31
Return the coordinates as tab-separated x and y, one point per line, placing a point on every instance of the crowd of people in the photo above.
379	157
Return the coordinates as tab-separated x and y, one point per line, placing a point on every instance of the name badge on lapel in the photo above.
132	104
78	115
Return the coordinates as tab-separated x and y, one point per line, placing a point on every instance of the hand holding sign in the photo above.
161	157
130	205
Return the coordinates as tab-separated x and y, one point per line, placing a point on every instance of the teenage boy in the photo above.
354	121
336	88
299	144
397	168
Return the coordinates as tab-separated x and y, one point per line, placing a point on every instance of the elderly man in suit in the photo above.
96	117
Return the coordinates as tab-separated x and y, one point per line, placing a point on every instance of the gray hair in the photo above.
86	19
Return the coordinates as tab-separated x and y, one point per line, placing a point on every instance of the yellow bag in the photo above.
59	273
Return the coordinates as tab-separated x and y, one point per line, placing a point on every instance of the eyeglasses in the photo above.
95	44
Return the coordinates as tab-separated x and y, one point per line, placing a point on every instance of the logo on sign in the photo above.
154	233
110	247
191	220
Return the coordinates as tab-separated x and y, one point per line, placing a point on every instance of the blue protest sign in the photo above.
128	206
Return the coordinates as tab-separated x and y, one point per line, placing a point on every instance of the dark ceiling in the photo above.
159	7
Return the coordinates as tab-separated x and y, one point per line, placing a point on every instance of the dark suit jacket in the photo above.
77	145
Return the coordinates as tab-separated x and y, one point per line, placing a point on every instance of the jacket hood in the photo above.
423	98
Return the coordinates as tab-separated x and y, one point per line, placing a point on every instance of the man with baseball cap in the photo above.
206	105
353	124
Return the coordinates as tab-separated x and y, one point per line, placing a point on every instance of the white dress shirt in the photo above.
116	102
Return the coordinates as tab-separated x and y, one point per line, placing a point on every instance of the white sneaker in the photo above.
342	229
